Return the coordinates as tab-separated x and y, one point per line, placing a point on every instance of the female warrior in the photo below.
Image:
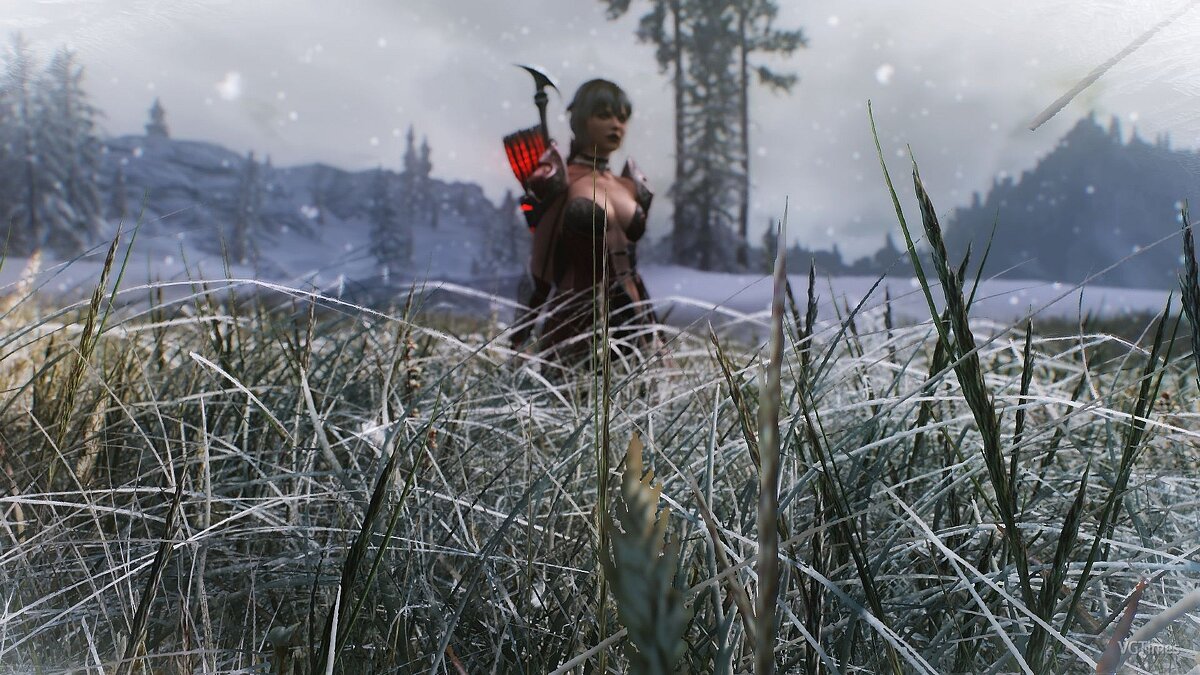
592	221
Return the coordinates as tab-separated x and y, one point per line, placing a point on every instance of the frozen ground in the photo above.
339	264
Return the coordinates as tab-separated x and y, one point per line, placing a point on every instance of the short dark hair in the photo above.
594	97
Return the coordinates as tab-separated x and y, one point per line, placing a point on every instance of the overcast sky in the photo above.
340	82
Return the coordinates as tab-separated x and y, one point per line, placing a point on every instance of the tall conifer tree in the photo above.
708	45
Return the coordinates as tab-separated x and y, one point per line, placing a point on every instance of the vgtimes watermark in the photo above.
1142	648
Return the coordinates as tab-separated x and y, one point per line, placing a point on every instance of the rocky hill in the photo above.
193	191
1096	200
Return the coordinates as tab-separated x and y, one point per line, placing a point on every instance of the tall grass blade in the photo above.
770	401
137	632
1189	286
970	377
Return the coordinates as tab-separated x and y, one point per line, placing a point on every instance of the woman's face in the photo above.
605	131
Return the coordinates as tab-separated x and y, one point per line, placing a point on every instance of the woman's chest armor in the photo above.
590	202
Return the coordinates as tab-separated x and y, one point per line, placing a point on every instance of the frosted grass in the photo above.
482	534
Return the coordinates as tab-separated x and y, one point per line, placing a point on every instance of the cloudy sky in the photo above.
314	80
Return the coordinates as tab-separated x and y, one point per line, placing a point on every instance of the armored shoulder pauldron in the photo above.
547	181
641	186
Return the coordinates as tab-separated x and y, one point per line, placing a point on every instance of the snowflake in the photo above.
230	88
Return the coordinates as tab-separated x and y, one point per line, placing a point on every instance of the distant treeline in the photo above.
49	154
1095	200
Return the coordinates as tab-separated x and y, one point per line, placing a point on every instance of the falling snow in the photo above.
230	87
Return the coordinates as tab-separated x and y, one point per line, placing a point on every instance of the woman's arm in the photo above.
546	184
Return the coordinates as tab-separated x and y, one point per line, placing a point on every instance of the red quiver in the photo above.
524	148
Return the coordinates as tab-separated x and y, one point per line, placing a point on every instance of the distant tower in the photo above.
157	126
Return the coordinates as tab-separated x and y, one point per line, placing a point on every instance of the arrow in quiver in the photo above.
524	148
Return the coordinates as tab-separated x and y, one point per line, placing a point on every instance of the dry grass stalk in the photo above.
770	402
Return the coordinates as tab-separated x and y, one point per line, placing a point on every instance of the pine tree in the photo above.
118	208
391	237
709	190
49	154
416	200
157	126
709	44
695	39
24	181
770	243
407	199
318	189
886	256
71	156
663	26
497	253
427	203
756	33
246	217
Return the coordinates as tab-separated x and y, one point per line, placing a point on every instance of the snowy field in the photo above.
344	268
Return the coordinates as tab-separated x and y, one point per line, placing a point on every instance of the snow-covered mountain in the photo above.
309	219
313	232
